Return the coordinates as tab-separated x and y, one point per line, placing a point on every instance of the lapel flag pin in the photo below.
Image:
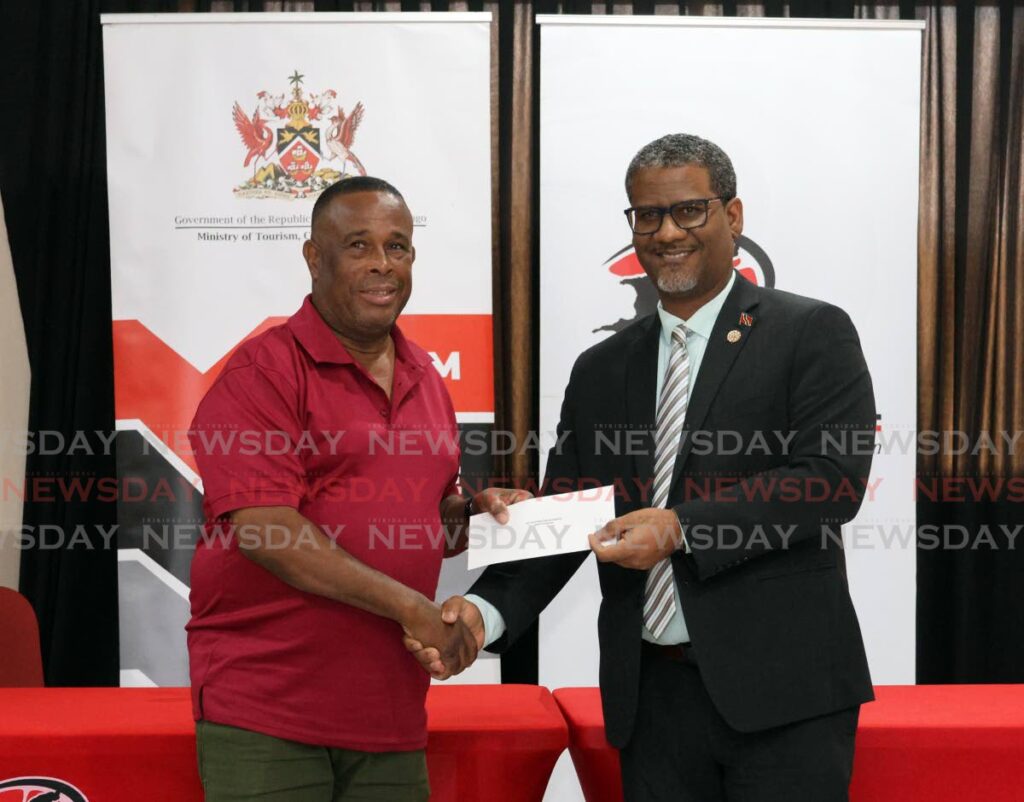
746	319
733	336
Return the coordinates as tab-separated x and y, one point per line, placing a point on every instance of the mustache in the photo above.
676	249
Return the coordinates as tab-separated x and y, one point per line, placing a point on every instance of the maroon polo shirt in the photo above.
293	420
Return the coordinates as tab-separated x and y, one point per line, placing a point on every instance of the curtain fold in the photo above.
971	252
936	229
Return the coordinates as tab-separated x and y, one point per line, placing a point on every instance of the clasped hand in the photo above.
443	639
637	540
463	639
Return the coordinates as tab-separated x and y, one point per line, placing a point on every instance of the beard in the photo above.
676	282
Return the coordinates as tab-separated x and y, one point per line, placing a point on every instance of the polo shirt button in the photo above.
384	413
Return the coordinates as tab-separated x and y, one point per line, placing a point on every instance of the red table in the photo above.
494	742
962	743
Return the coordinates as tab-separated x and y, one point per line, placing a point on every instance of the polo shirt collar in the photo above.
407	351
321	343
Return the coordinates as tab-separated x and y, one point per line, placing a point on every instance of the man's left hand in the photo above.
638	539
496	501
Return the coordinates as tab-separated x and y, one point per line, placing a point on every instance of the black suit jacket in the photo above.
763	586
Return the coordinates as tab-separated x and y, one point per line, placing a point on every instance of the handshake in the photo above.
446	640
456	632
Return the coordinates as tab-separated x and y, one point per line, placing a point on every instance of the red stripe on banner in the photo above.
463	350
155	384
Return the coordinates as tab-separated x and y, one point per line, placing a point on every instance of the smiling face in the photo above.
360	258
685	264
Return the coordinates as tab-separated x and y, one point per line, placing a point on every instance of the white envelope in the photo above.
541	527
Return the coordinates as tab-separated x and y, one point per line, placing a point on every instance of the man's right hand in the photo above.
456	612
444	642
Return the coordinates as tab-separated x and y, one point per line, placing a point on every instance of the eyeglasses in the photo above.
686	214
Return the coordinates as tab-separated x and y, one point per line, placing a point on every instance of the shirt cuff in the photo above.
494	623
683	546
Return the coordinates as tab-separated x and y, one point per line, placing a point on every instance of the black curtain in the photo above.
970	560
54	186
970	612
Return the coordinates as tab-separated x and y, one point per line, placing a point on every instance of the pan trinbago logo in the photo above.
39	789
294	145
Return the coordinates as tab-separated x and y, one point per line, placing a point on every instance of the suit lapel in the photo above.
641	386
714	367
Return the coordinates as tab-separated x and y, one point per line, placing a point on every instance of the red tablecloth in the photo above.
597	764
492	742
115	745
940	743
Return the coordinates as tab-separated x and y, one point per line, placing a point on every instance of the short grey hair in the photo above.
681	150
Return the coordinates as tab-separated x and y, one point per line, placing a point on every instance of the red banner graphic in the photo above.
153	383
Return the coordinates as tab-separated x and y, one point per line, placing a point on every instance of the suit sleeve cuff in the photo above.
494	622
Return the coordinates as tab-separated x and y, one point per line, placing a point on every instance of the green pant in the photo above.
237	765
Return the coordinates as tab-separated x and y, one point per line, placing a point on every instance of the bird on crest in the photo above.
341	134
256	134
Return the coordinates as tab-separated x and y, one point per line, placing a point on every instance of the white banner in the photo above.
222	129
821	120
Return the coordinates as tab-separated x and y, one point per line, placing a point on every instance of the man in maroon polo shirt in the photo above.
327	519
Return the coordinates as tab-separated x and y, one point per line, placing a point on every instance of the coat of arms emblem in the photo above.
295	149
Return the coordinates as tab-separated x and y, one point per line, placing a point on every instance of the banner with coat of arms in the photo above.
812	133
222	130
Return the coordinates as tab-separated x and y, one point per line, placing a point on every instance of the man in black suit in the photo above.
732	666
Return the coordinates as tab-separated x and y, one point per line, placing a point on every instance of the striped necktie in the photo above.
659	596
